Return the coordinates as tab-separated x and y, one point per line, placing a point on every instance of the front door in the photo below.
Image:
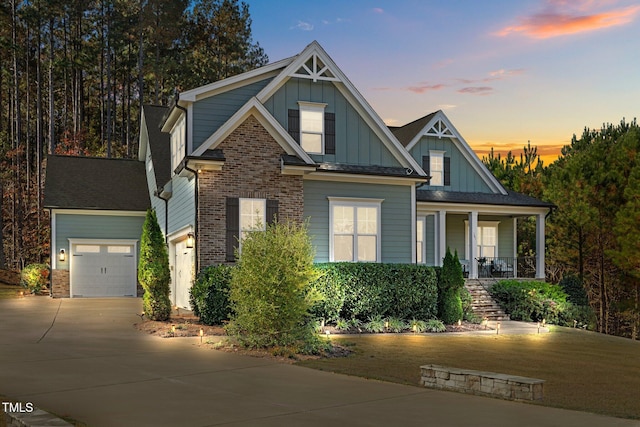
183	275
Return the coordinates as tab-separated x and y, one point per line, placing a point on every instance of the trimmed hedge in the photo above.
366	290
209	295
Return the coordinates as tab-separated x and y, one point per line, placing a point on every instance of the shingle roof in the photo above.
406	133
95	183
159	142
510	199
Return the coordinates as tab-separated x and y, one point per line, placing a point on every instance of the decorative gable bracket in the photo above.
315	69
439	129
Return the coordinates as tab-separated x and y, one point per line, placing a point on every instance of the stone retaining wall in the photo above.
36	418
10	277
482	383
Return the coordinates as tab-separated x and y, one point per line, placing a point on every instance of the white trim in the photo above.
312	107
180	233
441	238
174	238
360	178
457	139
97	212
479	224
296	169
189	137
356	202
54	247
423	255
357	101
502	210
234	82
540	246
436	154
414	226
254	108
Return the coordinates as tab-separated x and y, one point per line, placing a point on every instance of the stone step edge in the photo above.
35	418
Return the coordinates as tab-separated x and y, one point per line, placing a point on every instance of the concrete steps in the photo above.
483	305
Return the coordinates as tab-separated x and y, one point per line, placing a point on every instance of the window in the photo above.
312	127
436	168
487	241
252	216
355	230
420	241
177	143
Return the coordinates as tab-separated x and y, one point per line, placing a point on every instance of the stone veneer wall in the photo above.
60	284
252	170
10	277
482	383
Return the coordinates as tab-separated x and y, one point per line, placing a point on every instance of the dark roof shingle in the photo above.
510	199
159	143
406	133
95	183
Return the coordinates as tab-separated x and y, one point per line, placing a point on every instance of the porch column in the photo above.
540	232
442	236
472	244
515	247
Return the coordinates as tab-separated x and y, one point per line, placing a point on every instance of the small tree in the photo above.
153	270
451	282
269	292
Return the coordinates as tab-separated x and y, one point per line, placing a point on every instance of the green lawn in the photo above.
583	370
9	291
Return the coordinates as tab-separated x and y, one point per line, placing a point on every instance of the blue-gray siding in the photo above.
211	113
182	205
396	215
463	176
99	227
356	143
156	203
456	233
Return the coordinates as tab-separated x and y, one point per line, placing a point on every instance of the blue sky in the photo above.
505	72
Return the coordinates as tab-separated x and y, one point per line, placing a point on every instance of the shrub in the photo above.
531	301
435	325
34	277
450	284
396	324
364	290
269	292
375	324
209	295
153	270
572	286
417	325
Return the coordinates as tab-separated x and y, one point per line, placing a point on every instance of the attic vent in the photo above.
439	129
315	69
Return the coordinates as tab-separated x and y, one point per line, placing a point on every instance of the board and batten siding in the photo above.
395	211
211	113
98	227
463	176
182	204
356	142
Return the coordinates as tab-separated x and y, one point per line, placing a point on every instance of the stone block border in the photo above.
36	418
492	384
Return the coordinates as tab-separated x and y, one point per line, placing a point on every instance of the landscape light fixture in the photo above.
63	256
498	328
191	240
201	335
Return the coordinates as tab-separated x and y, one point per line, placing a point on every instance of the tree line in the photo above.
73	75
594	233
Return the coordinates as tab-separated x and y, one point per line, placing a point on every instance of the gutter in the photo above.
158	194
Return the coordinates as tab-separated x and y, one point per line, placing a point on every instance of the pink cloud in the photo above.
426	88
476	90
378	10
562	18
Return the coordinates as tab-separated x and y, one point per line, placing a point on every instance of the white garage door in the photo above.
182	275
103	270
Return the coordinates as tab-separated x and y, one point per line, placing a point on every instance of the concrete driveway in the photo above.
82	357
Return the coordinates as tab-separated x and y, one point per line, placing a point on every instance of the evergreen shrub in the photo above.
209	295
153	270
450	285
366	290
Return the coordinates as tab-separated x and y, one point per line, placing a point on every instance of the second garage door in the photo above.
103	270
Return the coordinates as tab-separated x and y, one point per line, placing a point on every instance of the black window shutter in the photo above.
272	211
233	226
329	133
294	125
426	165
447	171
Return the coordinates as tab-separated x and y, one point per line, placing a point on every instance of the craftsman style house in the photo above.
293	139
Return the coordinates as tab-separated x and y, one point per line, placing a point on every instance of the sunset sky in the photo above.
505	72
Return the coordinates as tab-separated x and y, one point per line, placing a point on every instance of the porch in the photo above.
502	267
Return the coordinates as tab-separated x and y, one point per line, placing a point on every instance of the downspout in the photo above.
195	173
158	194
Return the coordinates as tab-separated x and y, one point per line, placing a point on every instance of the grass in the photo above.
583	370
10	291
